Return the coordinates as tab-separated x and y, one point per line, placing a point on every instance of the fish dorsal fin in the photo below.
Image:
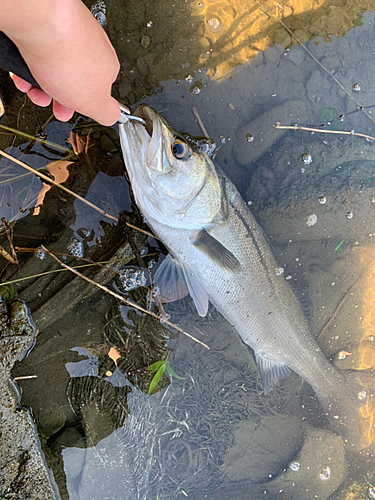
217	252
175	281
270	372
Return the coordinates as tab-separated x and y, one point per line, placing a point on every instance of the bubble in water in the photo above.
214	24
311	220
189	79
306	158
40	253
279	270
371	492
75	247
295	466
322	199
98	10
249	137
289	277
362	395
325	474
222	139
131	279
349	215
357	87
149	24
196	88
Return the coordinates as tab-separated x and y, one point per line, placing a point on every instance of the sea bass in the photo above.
218	253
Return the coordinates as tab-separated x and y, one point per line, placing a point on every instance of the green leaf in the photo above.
339	246
155	366
172	373
156	379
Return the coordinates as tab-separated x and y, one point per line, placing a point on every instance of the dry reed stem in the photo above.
323	131
122	299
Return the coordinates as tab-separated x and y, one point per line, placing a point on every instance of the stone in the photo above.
317	471
264	132
261	453
315	81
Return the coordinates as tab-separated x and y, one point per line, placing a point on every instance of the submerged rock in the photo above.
257	455
264	132
23	471
317	471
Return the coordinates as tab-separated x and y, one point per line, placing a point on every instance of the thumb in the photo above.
109	114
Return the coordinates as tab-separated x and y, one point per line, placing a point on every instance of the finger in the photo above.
109	114
21	84
61	112
39	97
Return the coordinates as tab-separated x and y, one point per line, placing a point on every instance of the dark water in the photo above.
212	434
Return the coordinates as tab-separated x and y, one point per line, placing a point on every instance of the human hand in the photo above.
72	60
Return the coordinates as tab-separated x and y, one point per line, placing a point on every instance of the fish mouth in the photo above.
148	115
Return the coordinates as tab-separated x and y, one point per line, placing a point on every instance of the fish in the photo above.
219	254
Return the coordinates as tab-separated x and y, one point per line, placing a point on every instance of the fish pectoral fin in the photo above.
217	252
170	279
175	281
270	372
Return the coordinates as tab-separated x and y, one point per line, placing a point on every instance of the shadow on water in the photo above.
213	433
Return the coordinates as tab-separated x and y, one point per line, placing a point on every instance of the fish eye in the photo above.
180	150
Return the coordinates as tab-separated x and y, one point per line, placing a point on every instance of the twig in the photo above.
49	180
75	195
200	123
26	377
32	138
323	67
7	256
323	131
8	233
122	299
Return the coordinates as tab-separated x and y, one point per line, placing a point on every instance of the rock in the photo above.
264	132
317	471
259	454
142	66
296	56
23	471
315	81
145	41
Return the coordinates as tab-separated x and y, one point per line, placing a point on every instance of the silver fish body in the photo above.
219	254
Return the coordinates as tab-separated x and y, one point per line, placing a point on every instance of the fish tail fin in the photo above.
351	410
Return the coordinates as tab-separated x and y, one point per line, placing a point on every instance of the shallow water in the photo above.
212	433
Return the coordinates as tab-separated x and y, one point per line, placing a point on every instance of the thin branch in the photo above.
200	122
122	299
50	181
323	131
33	138
26	377
323	67
75	195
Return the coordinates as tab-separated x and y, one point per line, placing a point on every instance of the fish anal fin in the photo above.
270	372
217	252
175	281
